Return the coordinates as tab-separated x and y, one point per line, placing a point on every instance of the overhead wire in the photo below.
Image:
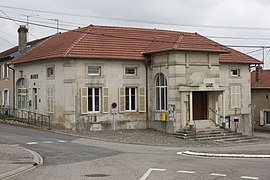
78	30
102	34
141	21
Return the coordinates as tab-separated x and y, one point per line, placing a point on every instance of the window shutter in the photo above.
142	99
84	100
122	100
105	96
237	96
233	96
262	117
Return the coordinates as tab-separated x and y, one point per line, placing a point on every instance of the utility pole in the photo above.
57	24
27	19
263	56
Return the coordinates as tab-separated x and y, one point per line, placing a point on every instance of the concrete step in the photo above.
235	139
218	138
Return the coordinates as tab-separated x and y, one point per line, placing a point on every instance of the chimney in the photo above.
22	31
258	74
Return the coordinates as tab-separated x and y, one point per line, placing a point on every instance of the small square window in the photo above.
94	70
235	72
50	72
131	71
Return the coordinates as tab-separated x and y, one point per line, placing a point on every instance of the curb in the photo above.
38	160
190	153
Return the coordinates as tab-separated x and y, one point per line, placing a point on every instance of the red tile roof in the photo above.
12	50
237	57
264	82
122	43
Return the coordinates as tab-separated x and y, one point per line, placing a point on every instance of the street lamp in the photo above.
252	107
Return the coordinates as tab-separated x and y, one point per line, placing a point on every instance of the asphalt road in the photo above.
69	157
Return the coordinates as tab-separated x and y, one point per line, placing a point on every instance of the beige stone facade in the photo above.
199	87
65	87
158	79
202	91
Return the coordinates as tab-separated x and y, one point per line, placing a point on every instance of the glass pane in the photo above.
157	99
127	98
161	80
23	102
162	98
131	71
157	81
94	70
96	99
19	101
133	99
90	99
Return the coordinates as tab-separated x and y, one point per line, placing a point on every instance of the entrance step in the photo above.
215	136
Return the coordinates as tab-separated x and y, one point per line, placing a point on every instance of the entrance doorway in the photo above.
200	105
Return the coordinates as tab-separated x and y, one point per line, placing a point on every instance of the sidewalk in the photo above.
15	160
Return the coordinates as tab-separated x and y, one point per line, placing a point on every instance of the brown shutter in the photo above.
84	100
105	96
142	99
122	100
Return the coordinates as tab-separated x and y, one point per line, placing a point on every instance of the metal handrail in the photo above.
24	116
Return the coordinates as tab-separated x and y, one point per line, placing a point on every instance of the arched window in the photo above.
22	94
161	92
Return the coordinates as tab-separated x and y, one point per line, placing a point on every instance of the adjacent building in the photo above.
7	83
165	80
260	93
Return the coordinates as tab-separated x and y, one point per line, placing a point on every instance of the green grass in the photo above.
3	116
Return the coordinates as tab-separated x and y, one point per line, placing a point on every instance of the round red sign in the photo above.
114	105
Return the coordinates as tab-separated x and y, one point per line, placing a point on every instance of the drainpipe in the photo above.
13	87
146	91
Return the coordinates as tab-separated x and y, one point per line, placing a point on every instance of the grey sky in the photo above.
236	13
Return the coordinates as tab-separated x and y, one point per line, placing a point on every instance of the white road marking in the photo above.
187	172
61	141
47	142
248	177
144	177
32	143
15	145
216	174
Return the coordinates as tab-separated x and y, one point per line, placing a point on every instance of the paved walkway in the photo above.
15	160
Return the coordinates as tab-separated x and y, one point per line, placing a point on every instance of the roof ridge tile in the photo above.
89	28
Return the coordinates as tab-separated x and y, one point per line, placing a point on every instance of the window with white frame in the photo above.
264	117
235	72
93	100
22	94
130	71
235	96
131	98
5	71
161	92
94	70
5	98
50	99
50	72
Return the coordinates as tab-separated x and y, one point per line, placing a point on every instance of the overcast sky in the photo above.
236	22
